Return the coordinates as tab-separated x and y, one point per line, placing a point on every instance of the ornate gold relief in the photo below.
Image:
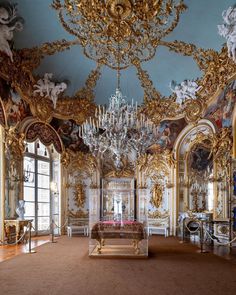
222	145
78	214
14	143
125	172
19	75
157	193
78	161
137	25
162	162
218	69
79	195
158	214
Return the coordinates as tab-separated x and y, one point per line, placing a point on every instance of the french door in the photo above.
37	193
41	202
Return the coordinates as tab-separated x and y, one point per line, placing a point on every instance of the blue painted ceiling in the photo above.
198	25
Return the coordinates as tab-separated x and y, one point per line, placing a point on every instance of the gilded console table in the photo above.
19	227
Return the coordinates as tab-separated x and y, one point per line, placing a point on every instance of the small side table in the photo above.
18	224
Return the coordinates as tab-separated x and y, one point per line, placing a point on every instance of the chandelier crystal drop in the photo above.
119	130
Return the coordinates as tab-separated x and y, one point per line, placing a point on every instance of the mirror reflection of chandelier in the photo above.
119	129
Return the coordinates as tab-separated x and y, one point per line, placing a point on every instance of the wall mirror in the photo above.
200	176
118	199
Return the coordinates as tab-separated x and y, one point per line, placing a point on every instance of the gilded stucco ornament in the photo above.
156	194
14	142
163	162
127	169
137	25
20	75
217	67
158	214
79	162
79	195
78	214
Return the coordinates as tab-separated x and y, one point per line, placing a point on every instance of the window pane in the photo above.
43	181
29	164
43	167
29	209
43	209
42	150
28	193
43	223
29	178
43	195
30	146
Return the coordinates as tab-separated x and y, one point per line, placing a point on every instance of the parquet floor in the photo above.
7	251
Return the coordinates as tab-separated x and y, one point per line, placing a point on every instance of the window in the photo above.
210	196
41	169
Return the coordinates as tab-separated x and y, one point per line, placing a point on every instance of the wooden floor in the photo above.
8	251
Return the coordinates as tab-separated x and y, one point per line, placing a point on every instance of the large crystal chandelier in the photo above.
119	129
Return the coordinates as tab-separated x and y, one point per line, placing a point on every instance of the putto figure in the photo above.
228	30
185	90
9	22
45	87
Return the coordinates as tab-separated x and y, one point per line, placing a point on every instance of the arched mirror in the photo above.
200	175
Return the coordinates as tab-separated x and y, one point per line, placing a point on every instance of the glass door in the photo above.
43	195
37	192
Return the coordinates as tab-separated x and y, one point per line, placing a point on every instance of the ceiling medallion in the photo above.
142	24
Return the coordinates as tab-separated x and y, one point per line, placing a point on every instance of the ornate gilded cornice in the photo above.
126	172
78	161
162	162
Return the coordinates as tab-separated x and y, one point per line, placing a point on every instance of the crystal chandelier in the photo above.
119	129
142	24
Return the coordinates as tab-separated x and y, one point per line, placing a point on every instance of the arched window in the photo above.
41	186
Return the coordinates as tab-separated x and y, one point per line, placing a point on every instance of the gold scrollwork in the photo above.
79	195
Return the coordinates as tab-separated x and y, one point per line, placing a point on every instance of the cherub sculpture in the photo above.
45	87
228	31
185	90
9	22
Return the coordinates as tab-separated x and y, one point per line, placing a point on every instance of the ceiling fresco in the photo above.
220	112
88	80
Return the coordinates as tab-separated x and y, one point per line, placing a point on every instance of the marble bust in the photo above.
20	210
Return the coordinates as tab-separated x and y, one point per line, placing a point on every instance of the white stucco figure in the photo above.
45	87
228	31
20	210
9	22
185	90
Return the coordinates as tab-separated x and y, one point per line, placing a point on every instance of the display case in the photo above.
118	220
